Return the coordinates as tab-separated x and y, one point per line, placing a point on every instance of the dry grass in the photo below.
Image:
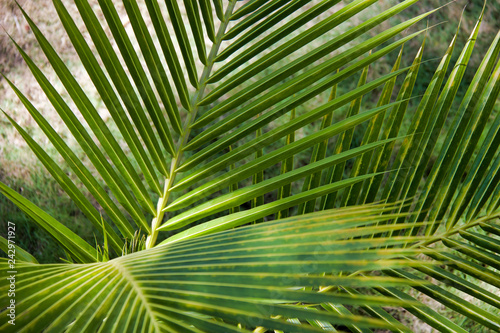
15	159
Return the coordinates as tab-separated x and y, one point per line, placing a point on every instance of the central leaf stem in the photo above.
186	130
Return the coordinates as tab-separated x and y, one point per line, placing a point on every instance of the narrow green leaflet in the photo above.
182	39
70	188
219	10
246	149
344	140
426	314
443	106
97	125
282	51
138	74
258	189
258	177
381	158
319	153
287	105
206	12
69	241
307	78
286	166
486	192
121	82
233	188
11	249
109	97
270	22
195	24
453	302
411	149
169	52
487	150
158	73
377	312
274	157
255	17
465	131
78	168
243	217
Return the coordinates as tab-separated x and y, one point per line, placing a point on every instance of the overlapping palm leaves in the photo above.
301	274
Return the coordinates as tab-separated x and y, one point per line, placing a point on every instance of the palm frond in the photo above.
231	275
222	95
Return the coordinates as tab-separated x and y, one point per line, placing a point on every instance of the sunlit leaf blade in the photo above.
169	52
258	189
182	39
99	128
314	272
279	53
233	188
453	302
466	130
411	149
257	178
426	314
488	190
286	166
468	267
487	150
11	248
342	310
312	75
344	140
319	153
206	12
195	24
381	157
247	8
487	242
108	95
255	17
218	9
68	240
93	152
78	168
287	105
158	73
444	104
277	155
243	217
361	214
461	284
186	283
137	72
361	165
122	83
70	188
437	118
283	130
270	22
471	267
377	312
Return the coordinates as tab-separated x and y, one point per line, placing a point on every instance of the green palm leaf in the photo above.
222	91
230	275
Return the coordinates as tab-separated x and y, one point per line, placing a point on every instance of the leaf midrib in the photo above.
186	130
